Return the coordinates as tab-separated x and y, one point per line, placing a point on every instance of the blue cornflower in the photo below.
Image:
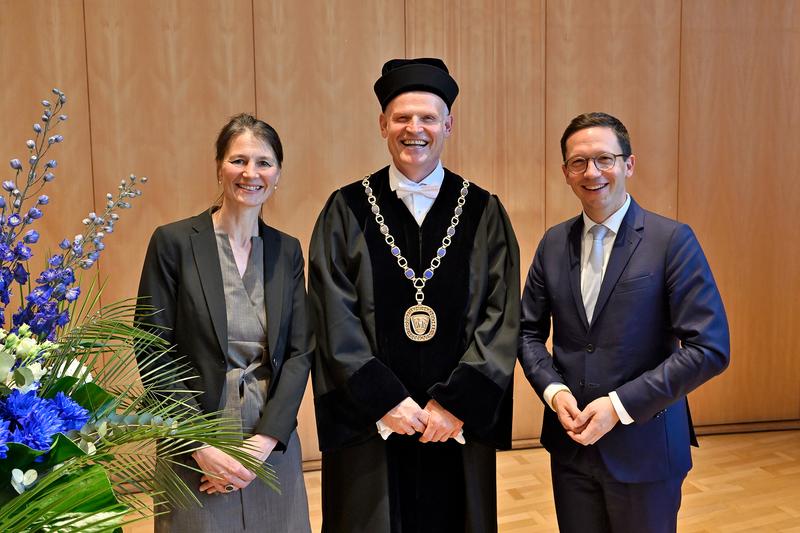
14	220
56	260
64	245
34	213
38	428
2	202
73	416
43	200
8	184
5	435
20	274
18	406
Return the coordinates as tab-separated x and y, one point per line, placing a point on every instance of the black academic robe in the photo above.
365	364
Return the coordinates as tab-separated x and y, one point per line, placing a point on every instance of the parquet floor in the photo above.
746	482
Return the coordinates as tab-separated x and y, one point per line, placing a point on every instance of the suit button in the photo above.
275	361
590	348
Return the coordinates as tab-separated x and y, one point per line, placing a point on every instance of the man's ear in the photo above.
448	125
383	122
629	164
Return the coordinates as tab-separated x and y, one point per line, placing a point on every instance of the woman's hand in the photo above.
260	446
222	471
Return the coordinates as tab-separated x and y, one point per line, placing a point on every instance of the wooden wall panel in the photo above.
163	79
41	47
496	54
315	66
707	89
740	118
620	57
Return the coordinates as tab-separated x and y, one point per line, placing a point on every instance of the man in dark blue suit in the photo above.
638	323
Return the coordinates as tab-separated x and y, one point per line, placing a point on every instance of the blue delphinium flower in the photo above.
31	236
20	274
40	295
73	416
22	252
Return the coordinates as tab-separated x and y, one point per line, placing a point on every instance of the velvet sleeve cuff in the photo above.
470	396
376	389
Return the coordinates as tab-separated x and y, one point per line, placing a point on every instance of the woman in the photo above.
232	296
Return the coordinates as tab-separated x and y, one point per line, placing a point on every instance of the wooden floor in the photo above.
745	482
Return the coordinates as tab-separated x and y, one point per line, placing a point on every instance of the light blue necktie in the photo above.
593	276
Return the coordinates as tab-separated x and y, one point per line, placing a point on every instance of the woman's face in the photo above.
248	172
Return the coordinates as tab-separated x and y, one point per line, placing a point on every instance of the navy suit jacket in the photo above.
659	331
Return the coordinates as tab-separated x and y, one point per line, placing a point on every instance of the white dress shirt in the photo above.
418	205
612	223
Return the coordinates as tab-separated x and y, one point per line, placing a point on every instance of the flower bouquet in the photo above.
78	430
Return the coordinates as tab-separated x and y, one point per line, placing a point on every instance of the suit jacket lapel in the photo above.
206	257
574	259
625	244
273	283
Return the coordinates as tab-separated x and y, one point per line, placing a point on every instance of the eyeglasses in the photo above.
579	164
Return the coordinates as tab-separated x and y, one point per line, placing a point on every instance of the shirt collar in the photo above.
436	177
613	222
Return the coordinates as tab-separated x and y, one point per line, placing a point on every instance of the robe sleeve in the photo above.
156	312
340	289
280	413
476	389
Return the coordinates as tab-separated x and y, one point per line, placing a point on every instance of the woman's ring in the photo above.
229	488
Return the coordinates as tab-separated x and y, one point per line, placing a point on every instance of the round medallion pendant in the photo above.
420	323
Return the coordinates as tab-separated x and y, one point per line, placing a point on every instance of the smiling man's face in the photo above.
415	125
601	192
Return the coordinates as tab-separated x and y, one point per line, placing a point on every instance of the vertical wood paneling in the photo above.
163	79
496	54
622	58
709	96
41	47
315	65
740	117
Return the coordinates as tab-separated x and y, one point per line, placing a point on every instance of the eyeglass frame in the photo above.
593	159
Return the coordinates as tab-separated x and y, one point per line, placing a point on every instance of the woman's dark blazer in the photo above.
182	279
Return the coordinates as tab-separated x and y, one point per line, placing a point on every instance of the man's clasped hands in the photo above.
588	426
436	423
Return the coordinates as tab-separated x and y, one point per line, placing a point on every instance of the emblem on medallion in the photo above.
420	323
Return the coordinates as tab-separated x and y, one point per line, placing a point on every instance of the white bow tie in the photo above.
429	191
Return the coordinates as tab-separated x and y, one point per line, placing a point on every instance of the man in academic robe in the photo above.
414	281
638	323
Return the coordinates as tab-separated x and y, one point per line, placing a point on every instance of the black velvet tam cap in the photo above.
428	74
